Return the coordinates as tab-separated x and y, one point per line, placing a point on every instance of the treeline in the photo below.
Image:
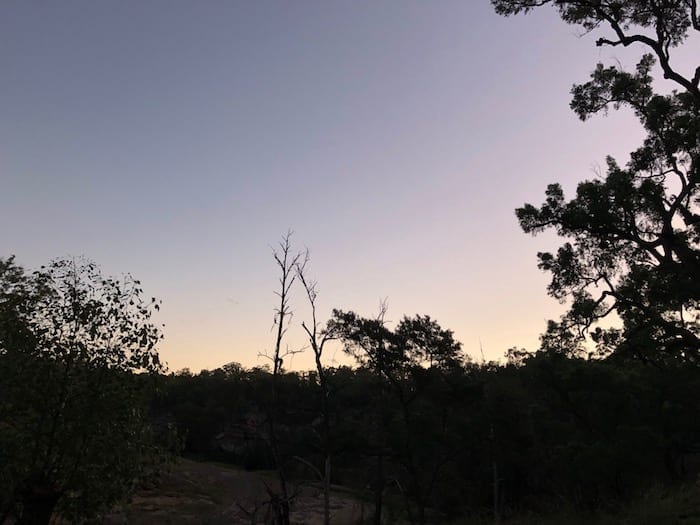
539	433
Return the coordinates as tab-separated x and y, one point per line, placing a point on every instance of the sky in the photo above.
178	141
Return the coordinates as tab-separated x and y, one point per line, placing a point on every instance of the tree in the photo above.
633	237
318	338
426	343
368	341
287	262
74	434
397	357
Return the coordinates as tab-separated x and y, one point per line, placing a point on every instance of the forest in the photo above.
602	419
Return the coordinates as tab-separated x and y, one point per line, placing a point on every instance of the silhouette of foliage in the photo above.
563	432
633	236
74	435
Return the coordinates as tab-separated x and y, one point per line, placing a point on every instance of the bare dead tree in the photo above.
380	481
287	262
318	337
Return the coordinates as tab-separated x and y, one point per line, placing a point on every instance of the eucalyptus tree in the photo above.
633	236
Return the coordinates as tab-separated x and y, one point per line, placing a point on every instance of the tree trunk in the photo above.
327	491
379	489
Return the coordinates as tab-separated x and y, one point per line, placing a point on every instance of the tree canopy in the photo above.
633	236
73	414
416	341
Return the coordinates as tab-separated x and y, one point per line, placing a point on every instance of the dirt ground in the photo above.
208	493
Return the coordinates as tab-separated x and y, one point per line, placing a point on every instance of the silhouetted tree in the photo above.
287	262
74	434
318	337
397	358
427	344
562	431
368	341
633	237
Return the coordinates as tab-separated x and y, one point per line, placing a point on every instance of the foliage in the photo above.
590	435
416	341
633	237
541	435
73	416
396	358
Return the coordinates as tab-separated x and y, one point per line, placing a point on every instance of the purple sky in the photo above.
179	140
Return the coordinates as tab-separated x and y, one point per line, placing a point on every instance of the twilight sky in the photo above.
178	140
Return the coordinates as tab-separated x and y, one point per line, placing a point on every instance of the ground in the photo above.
195	492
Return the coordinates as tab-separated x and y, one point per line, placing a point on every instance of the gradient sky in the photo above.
178	140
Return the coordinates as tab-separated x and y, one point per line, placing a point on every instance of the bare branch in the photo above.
317	346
